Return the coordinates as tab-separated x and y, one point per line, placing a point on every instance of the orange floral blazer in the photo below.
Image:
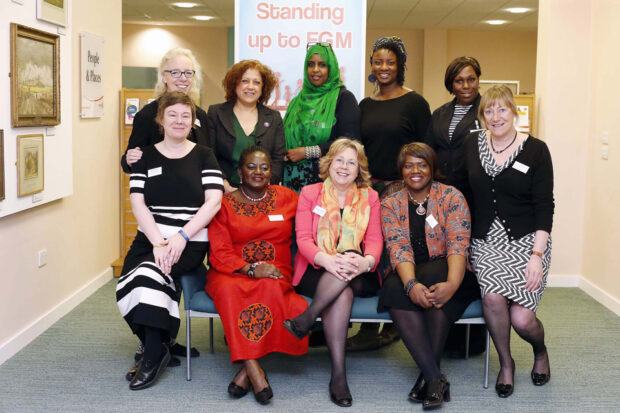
450	235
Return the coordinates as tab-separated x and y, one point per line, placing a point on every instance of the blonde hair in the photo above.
339	145
498	94
194	90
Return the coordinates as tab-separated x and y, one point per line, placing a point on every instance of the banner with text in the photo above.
276	32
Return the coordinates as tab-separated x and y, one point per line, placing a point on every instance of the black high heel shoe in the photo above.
505	390
292	328
437	391
235	390
264	395
342	401
418	392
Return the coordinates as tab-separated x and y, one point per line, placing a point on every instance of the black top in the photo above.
450	151
269	133
417	234
523	201
347	119
146	131
386	125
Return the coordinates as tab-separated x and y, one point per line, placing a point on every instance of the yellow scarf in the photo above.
336	234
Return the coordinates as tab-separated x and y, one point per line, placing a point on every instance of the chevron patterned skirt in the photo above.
499	264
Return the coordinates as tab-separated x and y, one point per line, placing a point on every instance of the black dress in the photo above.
146	131
173	191
428	273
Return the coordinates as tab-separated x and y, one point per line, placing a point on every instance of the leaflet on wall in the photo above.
523	124
132	105
91	65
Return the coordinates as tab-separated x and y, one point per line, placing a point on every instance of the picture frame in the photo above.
1	164
35	77
53	11
30	164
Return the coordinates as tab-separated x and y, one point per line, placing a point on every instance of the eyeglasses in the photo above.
177	73
324	44
338	162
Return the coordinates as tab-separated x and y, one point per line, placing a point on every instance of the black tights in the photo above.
333	301
424	334
152	338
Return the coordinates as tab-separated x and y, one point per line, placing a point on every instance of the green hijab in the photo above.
311	114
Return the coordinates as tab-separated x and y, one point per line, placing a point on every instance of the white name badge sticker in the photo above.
275	217
431	221
154	172
520	167
319	211
197	122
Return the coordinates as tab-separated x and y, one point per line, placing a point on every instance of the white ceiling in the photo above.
407	14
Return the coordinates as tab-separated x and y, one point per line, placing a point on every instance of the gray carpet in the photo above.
78	365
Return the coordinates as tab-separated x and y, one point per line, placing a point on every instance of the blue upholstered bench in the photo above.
199	304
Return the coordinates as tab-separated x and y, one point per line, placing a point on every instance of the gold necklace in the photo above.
420	210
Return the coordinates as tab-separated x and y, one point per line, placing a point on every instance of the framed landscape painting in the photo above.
30	167
35	79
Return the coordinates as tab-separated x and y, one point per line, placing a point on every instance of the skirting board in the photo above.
585	285
37	327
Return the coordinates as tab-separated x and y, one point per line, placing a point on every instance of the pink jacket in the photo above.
306	224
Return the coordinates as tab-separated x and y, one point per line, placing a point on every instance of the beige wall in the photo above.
80	232
145	45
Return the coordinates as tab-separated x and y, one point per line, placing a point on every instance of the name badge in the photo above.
275	218
520	167
154	171
197	122
319	211
432	222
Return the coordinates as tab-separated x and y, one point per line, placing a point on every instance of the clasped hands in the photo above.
346	266
266	270
168	252
434	296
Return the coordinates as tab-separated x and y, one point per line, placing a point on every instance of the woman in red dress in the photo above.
251	272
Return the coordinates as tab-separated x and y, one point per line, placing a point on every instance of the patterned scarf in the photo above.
311	114
338	234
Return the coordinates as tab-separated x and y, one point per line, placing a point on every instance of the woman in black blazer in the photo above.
243	120
453	121
178	71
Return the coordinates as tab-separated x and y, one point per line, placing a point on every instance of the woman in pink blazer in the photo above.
339	239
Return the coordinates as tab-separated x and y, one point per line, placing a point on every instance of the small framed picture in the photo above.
35	78
30	170
53	11
1	164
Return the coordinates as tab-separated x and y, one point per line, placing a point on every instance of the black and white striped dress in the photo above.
498	262
174	190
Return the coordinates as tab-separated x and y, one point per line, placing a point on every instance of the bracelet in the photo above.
540	254
157	246
184	235
409	285
250	272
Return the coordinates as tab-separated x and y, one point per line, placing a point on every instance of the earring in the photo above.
240	180
372	78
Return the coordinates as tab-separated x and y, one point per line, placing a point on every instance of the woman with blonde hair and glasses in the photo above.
339	239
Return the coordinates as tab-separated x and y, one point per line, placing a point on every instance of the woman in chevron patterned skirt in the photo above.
511	185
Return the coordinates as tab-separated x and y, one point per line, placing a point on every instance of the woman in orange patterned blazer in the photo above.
426	227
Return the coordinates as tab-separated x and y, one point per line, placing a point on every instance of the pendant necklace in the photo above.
420	210
509	145
260	198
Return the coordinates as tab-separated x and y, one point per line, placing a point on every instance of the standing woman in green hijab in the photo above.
323	111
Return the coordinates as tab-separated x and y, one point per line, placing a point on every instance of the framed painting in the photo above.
35	78
1	164
53	11
30	171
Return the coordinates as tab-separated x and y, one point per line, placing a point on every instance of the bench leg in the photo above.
467	332
211	334
486	360
188	331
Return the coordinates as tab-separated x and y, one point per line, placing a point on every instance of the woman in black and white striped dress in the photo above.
176	189
511	179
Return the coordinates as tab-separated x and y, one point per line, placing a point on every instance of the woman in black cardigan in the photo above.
243	120
453	121
178	71
511	179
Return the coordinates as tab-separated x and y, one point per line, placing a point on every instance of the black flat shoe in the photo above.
292	328
418	392
437	391
540	379
235	390
342	401
264	395
132	371
180	350
149	372
505	390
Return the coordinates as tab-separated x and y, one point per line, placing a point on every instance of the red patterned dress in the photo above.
253	310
